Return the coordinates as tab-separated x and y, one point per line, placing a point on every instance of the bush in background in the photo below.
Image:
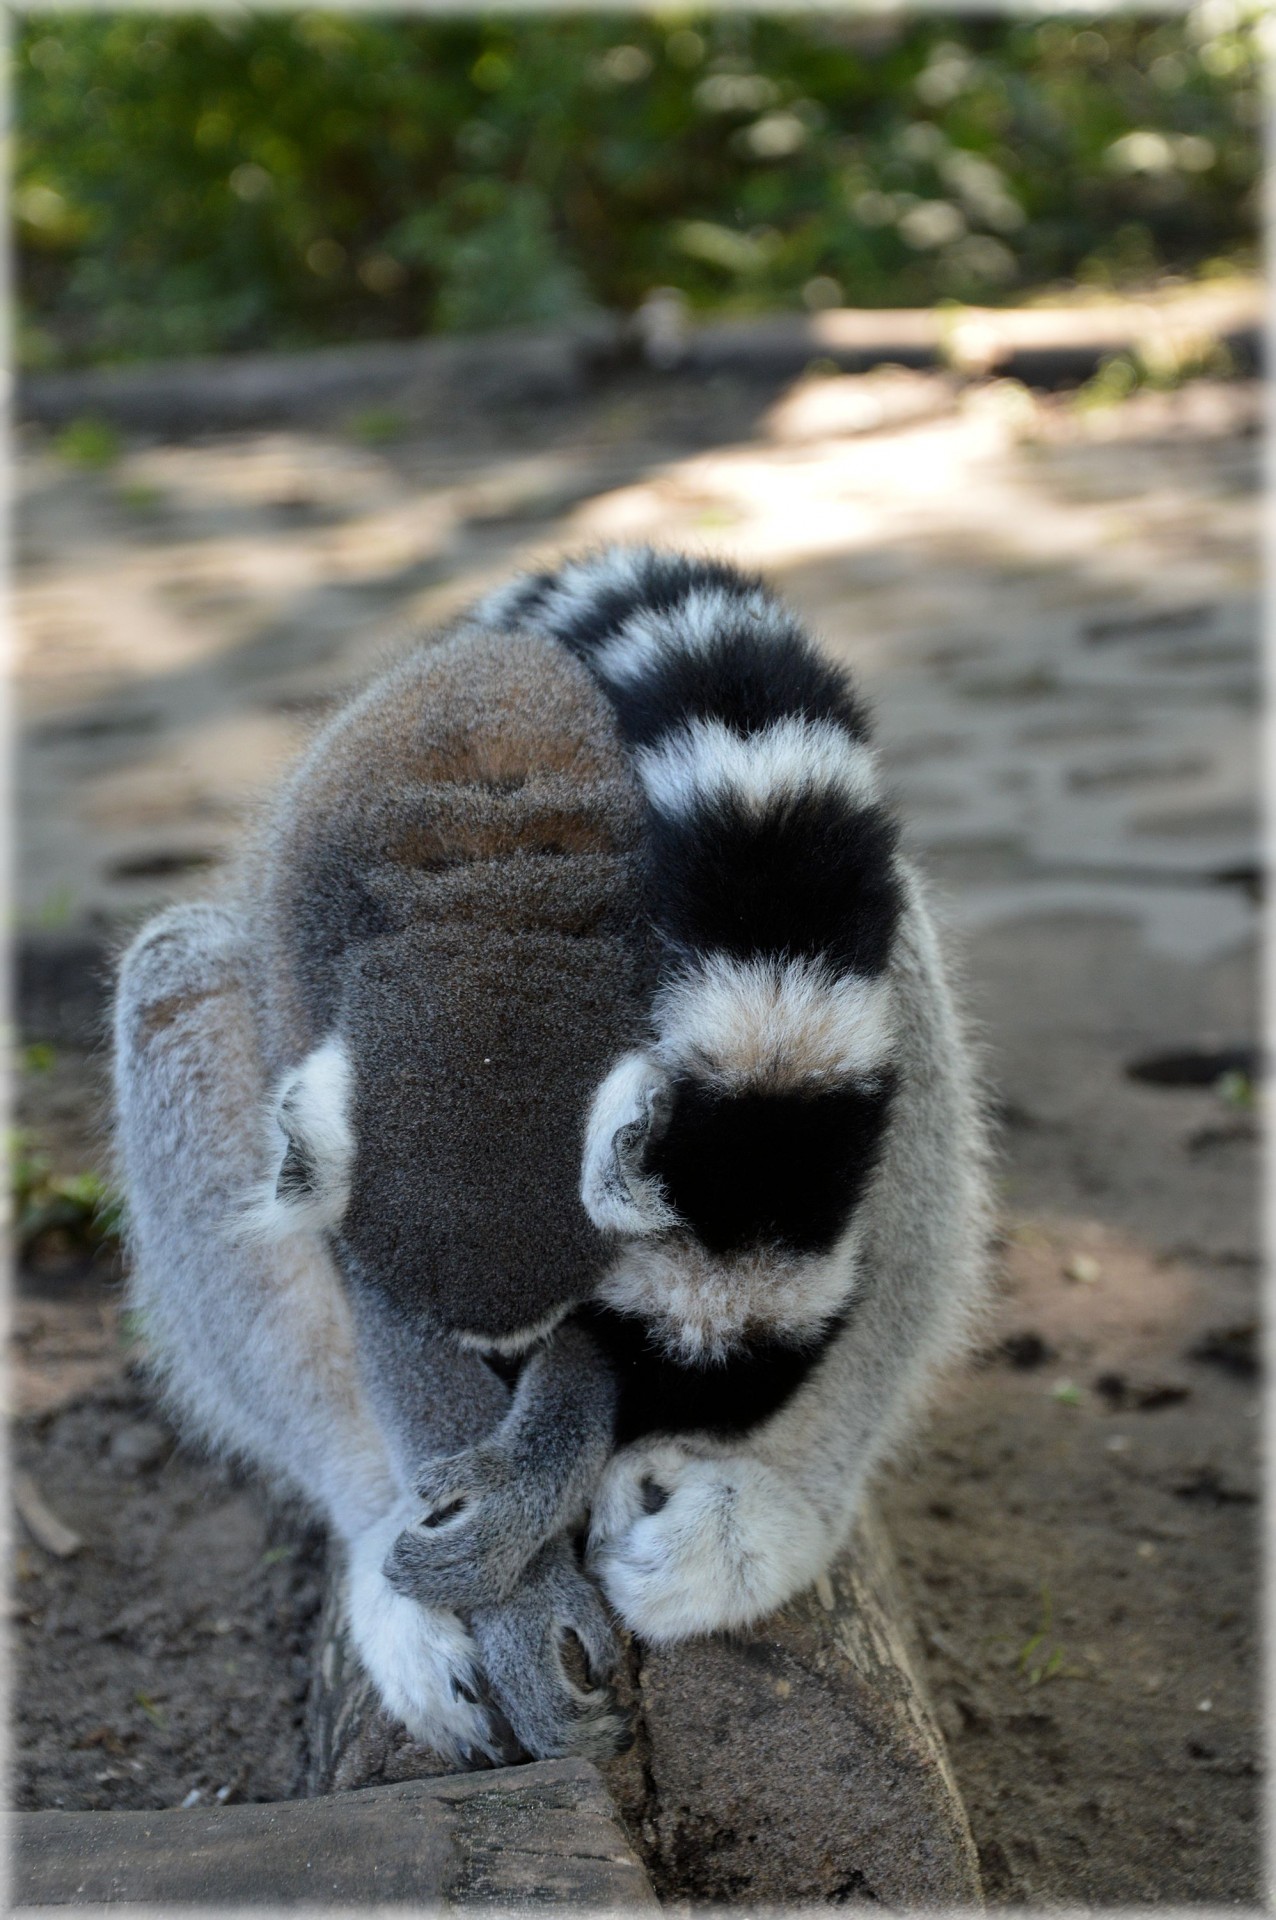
204	183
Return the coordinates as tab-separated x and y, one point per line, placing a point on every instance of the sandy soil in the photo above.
1054	613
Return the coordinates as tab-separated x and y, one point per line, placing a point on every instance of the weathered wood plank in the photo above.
544	1835
800	1763
1046	345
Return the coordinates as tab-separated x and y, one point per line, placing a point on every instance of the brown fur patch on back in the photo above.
477	1059
576	897
159	1015
488	751
550	817
479	710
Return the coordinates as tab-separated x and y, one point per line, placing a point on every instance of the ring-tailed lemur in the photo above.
612	1050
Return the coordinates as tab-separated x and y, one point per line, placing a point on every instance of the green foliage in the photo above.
378	426
67	1209
92	444
1160	364
139	496
205	182
56	909
1237	1090
1037	1660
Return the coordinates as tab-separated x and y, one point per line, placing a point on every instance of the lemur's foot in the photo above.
422	1661
684	1546
529	1644
471	1534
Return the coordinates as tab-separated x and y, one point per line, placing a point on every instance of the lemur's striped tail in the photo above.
774	889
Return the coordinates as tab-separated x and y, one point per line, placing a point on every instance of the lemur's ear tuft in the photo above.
629	1110
309	1186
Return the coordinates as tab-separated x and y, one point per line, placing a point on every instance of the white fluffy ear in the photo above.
313	1149
631	1104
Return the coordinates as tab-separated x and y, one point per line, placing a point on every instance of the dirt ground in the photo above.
1054	611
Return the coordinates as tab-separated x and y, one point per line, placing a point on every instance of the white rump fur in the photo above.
745	1022
617	1196
311	1110
704	762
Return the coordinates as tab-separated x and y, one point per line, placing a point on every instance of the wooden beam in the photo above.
1047	346
544	1834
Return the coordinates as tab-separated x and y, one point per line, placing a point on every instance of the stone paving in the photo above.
1054	611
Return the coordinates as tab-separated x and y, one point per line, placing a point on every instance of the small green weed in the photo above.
1035	1661
378	426
1160	363
153	1713
55	910
75	1209
88	443
140	496
1236	1090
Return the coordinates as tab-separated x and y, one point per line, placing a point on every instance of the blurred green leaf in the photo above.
378	426
1236	1089
77	1209
140	496
55	909
88	443
153	1713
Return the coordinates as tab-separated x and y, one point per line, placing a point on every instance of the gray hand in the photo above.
526	1646
476	1533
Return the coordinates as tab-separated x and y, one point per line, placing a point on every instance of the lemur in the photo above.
562	1116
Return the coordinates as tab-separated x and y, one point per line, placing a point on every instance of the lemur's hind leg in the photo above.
255	1342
